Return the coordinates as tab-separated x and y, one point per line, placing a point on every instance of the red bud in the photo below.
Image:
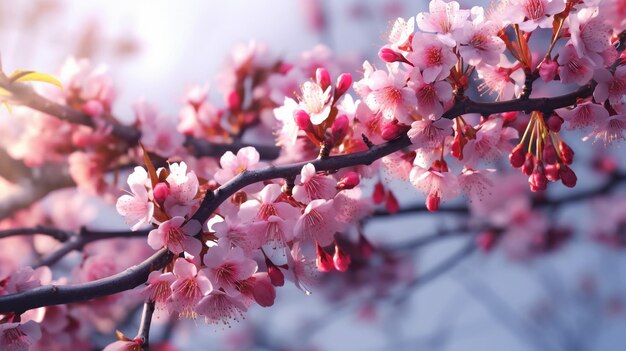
517	156
322	77
433	201
389	55
343	84
392	204
568	177
160	192
324	261
379	193
341	259
348	181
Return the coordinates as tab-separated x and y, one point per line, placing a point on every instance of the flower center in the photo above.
534	9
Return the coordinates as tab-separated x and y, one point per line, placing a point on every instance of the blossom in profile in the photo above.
136	207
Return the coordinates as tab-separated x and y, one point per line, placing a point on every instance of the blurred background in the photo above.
421	294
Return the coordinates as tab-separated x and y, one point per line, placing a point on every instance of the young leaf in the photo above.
33	76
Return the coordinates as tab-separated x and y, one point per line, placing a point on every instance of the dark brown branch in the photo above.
62	294
144	325
56	233
78	241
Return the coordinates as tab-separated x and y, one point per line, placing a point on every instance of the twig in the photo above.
56	233
144	325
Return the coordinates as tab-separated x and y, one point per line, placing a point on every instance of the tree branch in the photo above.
144	325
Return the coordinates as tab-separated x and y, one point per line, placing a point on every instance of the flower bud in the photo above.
379	193
552	172
568	177
341	259
567	154
348	181
391	131
323	261
93	108
322	77
549	154
486	241
529	164
392	204
433	201
303	120
343	84
233	100
509	117
160	192
366	248
340	129
554	123
276	275
262	290
517	156
389	55
538	180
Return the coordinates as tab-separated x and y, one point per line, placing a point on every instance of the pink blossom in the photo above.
183	187
88	83
611	87
200	121
428	133
444	18
574	69
318	222
475	184
302	271
433	57
190	286
26	278
491	142
388	94
313	186
610	130
289	129
220	307
584	115
232	165
401	32
19	337
316	101
500	79
158	288
226	266
136	208
124	345
431	182
432	98
175	238
479	42
590	34
158	131
247	236
532	13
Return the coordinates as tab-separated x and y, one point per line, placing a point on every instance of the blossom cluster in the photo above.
298	226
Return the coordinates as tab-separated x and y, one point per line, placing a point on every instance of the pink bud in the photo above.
391	131
344	82
392	204
568	177
529	164
379	193
322	77
554	123
567	154
509	117
389	55
548	70
93	108
341	259
549	154
285	68
538	180
486	241
303	120
552	172
433	201
340	129
233	100
348	181
262	290
161	192
324	261
276	275
456	149
517	156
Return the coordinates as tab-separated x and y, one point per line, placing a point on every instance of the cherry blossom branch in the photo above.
144	325
24	95
56	233
134	276
76	242
53	294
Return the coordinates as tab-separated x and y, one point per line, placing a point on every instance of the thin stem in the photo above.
144	325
